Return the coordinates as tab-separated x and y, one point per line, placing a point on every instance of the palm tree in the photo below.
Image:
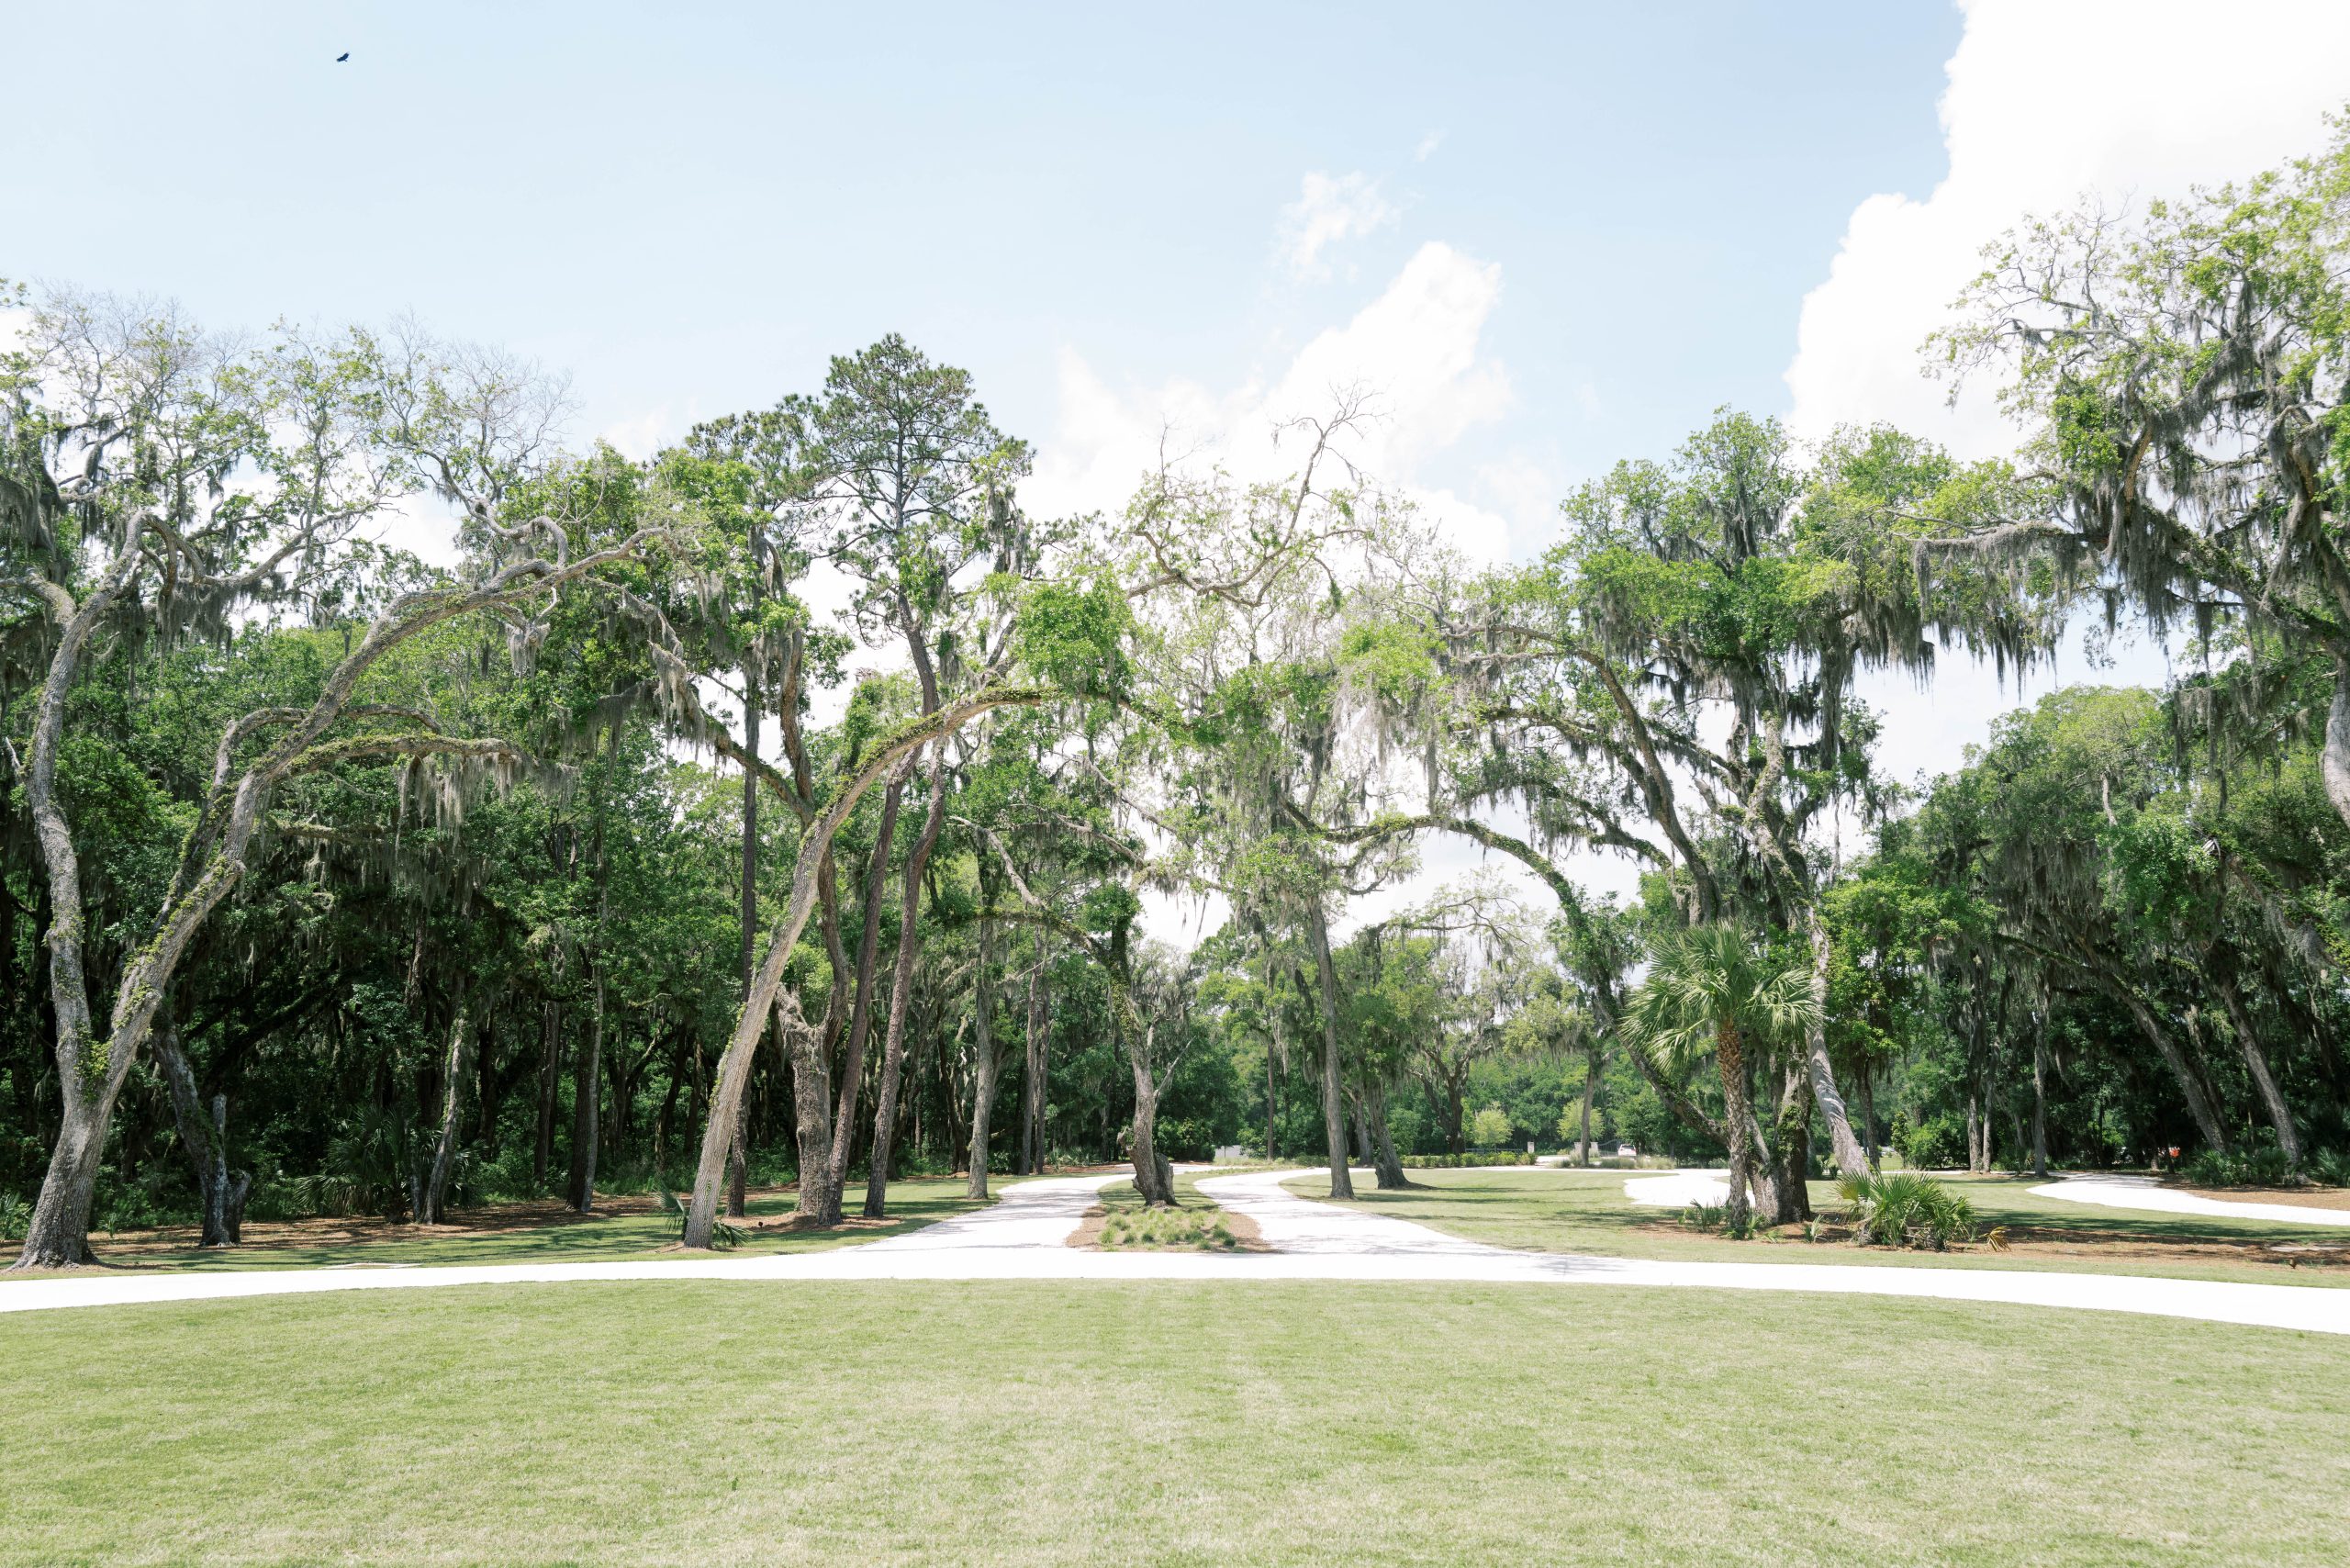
1711	988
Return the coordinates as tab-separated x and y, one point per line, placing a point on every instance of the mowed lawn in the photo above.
705	1423
1587	1211
623	1228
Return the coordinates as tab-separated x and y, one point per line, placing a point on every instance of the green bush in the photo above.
16	1218
1938	1141
1490	1127
1460	1161
2262	1166
1906	1209
2329	1167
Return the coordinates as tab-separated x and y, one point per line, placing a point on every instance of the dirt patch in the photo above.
326	1231
1245	1232
1088	1234
2077	1245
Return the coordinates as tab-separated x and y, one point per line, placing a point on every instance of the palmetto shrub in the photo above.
1905	1209
2262	1166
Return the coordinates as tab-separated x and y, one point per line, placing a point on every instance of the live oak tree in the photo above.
125	434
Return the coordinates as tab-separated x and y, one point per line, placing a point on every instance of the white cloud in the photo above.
1328	210
1427	149
1416	350
2046	102
640	437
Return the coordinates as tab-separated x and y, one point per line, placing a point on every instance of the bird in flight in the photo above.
343	56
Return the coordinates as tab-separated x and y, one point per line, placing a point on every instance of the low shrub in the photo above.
16	1218
1462	1162
1715	1217
1204	1230
1905	1209
722	1235
2262	1167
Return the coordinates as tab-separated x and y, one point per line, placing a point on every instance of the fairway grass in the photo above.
1096	1423
1586	1212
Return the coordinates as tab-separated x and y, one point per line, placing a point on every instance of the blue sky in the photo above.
1545	236
690	208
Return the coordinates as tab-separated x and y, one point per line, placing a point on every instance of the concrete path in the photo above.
2146	1194
1679	1189
1023	1236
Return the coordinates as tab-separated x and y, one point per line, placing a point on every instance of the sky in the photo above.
1545	237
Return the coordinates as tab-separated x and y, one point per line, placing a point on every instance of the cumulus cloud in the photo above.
1327	211
1415	352
1427	149
2047	103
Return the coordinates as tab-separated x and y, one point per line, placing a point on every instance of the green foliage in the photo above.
1903	1208
1490	1127
1465	1162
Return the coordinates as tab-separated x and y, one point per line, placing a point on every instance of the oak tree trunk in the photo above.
1333	1114
827	1205
984	1068
433	1209
894	1051
205	1138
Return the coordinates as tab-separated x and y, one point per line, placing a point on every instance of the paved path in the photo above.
2143	1193
1023	1236
1678	1189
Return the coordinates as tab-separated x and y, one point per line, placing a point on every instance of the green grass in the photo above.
913	1202
1587	1211
709	1423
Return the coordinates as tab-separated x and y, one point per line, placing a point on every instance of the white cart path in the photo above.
1023	1236
2149	1196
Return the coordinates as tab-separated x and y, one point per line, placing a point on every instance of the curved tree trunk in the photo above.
433	1209
1033	1153
1384	1162
985	1066
860	1023
1334	1110
893	1050
206	1141
767	989
2256	1062
1852	1159
1153	1177
2181	1072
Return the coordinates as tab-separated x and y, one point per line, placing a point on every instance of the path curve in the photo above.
2144	1193
1023	1235
1679	1189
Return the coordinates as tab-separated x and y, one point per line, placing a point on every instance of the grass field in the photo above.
1587	1211
630	1228
708	1423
